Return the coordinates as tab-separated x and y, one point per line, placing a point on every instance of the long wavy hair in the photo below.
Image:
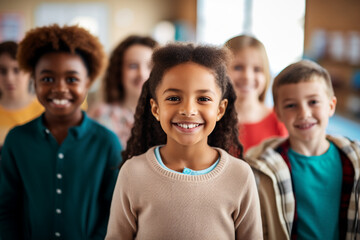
114	90
147	131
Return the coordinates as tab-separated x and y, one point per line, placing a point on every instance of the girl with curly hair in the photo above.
59	170
178	181
129	68
18	103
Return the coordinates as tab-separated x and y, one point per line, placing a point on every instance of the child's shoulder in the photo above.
99	129
224	155
30	127
347	145
25	132
233	163
268	144
137	167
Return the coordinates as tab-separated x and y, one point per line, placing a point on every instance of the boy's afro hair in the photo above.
70	39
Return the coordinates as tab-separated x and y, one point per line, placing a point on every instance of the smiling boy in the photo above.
307	182
58	171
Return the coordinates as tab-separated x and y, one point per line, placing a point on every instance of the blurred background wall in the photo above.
114	19
327	31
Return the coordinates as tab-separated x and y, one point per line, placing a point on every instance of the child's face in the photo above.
136	68
13	82
305	109
188	104
61	84
246	72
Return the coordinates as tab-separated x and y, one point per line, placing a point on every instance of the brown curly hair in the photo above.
70	39
113	84
147	131
10	48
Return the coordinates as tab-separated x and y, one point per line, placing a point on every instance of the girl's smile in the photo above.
188	127
188	104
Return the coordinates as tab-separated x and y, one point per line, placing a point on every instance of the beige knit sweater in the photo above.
152	203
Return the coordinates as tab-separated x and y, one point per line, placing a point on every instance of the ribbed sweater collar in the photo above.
224	159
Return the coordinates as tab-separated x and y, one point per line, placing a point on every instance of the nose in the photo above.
188	109
304	112
248	73
60	86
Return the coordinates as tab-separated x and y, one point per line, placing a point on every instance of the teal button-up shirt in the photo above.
52	191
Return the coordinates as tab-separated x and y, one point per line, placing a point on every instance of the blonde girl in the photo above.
250	74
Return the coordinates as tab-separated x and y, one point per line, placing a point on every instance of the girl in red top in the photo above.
250	74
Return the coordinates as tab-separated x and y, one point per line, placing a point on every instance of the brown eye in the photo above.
3	71
71	79
257	69
204	99
238	68
47	79
173	99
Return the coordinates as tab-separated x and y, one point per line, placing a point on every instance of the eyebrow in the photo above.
179	91
308	96
50	71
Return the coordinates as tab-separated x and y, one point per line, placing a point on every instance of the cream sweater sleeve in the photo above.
248	218
122	223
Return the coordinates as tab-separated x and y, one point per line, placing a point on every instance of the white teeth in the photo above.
60	101
305	125
188	126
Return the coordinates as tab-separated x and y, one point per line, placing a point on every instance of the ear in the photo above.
332	103
222	109
154	109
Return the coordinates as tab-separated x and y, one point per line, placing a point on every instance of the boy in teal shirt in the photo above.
307	182
58	171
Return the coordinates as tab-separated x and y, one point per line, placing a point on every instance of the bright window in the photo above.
278	24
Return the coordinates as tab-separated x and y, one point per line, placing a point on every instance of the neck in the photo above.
193	157
314	147
59	126
250	110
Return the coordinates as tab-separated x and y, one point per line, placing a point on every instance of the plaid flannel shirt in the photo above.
270	158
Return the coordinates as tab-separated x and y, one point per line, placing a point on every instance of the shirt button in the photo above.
47	131
61	156
58	191
58	211
59	176
57	234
